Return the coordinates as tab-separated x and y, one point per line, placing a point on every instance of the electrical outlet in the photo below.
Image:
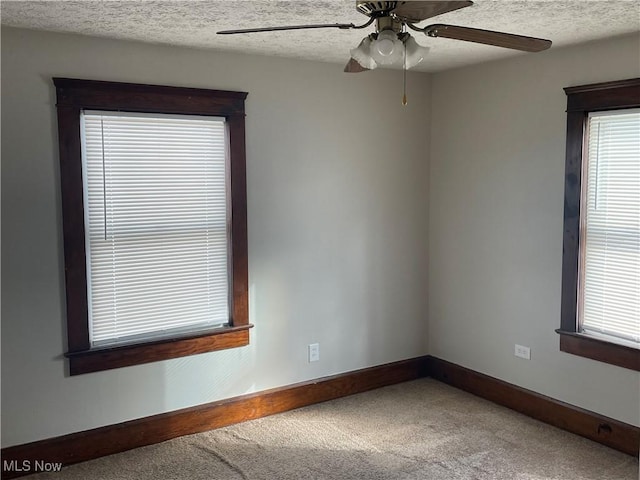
314	352
523	352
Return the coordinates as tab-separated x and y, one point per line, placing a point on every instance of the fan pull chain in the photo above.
404	77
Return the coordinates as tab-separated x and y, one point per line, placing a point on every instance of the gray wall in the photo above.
337	203
495	230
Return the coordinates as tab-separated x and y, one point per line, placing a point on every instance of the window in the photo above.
154	218
601	255
610	260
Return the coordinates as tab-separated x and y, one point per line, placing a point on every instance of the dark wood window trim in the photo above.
73	96
580	101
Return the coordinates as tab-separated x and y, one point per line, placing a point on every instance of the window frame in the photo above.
75	95
581	100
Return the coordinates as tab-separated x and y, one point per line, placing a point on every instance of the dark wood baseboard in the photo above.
98	442
607	431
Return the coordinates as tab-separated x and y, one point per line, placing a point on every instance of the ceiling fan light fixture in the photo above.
362	54
392	19
387	49
415	52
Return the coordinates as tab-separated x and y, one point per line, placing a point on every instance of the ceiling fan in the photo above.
391	43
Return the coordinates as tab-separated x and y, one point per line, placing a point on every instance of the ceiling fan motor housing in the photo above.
374	9
388	23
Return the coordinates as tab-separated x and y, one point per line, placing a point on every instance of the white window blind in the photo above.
156	224
611	226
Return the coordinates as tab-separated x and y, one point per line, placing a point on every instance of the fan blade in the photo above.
488	37
343	26
414	12
353	66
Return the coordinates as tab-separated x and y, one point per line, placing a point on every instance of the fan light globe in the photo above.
415	53
362	54
387	48
384	47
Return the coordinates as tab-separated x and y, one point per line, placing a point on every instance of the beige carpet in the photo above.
416	430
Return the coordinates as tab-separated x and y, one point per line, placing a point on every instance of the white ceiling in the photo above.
194	23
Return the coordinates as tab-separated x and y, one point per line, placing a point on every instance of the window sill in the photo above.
598	349
106	358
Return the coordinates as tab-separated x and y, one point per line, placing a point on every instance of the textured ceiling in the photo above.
194	23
